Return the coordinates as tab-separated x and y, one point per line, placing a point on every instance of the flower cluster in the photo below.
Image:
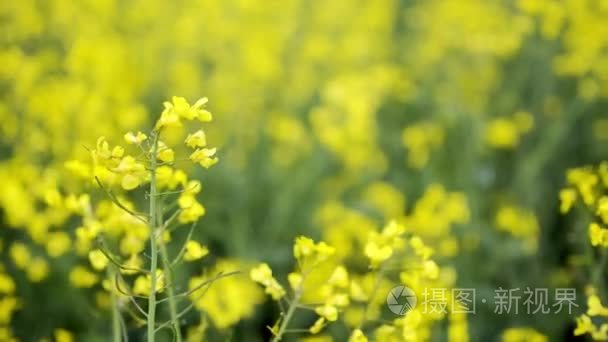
114	233
588	186
313	259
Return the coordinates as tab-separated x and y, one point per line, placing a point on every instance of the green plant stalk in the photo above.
293	305
151	324
170	291
116	321
377	280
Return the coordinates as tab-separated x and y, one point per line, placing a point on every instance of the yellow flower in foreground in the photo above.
197	139
294	279
204	157
191	209
595	307
165	153
310	254
303	247
179	108
133	173
329	312
138	138
584	325
317	326
262	274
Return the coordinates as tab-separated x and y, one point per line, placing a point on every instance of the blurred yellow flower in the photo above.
98	260
567	199
81	277
357	336
37	270
194	251
58	243
62	335
329	312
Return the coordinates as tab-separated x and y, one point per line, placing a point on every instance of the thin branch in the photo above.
120	205
171	219
184	311
128	293
102	248
294	331
138	320
189	307
139	308
183	249
123	327
204	283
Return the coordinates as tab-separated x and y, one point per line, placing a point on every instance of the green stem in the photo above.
170	291
168	270
290	311
153	243
379	275
116	321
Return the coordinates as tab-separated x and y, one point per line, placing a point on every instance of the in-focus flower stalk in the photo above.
153	241
293	305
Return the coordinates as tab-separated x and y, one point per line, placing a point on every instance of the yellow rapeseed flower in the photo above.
319	324
197	139
205	157
98	260
195	251
262	274
37	270
357	336
81	277
567	199
57	244
136	139
595	307
62	335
